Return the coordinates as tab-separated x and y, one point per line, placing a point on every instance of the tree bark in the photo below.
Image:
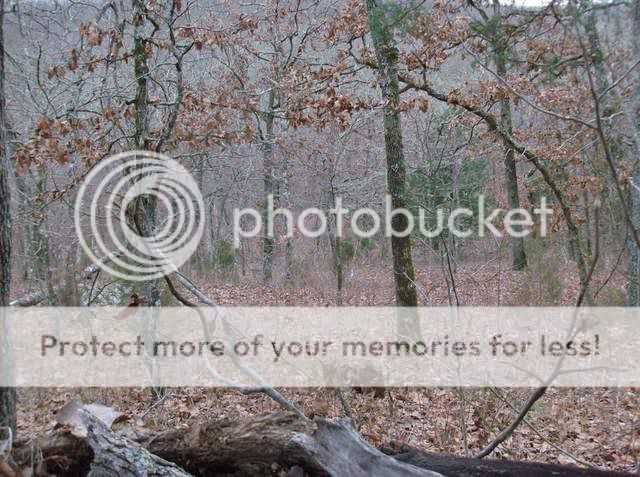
145	206
257	445
252	446
42	274
86	446
633	291
463	466
144	214
288	245
335	243
268	244
403	271
500	48
7	395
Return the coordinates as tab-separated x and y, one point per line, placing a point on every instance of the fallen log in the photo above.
273	444
450	465
6	442
336	449
248	446
117	456
257	446
86	446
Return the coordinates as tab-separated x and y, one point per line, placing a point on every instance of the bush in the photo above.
365	246
225	255
542	285
347	250
611	296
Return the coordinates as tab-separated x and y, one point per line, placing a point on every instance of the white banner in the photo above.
301	347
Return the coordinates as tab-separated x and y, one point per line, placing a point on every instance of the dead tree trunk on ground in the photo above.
465	466
254	446
258	445
86	446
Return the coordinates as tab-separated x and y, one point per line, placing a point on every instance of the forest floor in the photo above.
596	426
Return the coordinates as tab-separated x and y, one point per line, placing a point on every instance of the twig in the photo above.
535	429
263	386
540	391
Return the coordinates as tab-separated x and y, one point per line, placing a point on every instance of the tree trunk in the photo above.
288	245
337	253
85	445
204	253
116	456
455	203
586	15
40	251
251	446
279	443
464	466
145	218
335	243
500	47
268	244
7	395
403	271
145	207
633	292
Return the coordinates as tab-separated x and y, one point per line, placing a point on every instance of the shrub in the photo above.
225	255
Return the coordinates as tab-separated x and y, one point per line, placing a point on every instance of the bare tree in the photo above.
7	394
633	291
381	28
500	45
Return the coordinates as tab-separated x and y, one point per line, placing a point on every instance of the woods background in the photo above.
432	102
